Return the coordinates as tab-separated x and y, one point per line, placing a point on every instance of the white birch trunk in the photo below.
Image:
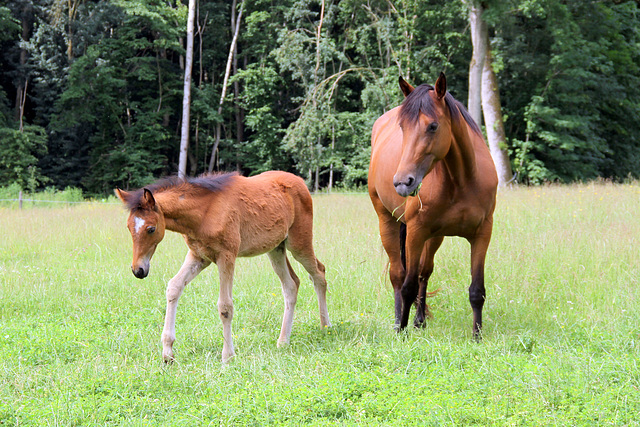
479	40
186	99
494	124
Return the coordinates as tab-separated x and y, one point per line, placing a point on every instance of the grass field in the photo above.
80	335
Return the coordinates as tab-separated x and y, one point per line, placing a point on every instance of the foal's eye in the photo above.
432	127
151	230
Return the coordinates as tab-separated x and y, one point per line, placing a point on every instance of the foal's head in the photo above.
425	119
146	225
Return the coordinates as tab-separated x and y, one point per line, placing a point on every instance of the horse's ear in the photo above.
147	201
124	196
441	86
405	87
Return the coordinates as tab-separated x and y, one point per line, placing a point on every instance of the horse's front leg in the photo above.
191	267
392	239
422	309
414	247
226	265
479	246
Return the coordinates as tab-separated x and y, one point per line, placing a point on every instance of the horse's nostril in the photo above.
408	181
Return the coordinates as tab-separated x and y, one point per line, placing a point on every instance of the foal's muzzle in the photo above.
140	273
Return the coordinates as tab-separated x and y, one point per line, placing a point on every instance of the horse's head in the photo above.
146	225
426	133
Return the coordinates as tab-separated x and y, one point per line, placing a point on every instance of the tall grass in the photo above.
79	335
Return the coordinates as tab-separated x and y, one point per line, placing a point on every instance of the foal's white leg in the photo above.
278	258
316	272
320	285
191	267
226	266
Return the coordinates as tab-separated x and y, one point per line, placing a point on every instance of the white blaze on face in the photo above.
139	223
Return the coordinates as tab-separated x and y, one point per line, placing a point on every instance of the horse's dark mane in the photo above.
419	101
212	182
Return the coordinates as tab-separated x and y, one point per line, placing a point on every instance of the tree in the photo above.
480	42
232	49
186	102
481	66
19	152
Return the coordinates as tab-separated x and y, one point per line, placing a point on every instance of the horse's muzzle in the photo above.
405	186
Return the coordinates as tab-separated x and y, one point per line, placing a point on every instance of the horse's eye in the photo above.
433	126
151	230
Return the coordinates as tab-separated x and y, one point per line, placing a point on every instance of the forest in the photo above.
91	91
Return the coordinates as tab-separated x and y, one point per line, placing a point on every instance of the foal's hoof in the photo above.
168	358
227	359
282	344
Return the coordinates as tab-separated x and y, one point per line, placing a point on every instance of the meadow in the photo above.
80	335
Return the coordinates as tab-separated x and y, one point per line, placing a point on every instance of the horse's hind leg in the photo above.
422	309
300	246
290	285
192	266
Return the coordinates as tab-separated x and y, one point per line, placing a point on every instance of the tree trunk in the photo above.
186	100
494	124
73	12
21	90
479	39
232	49
333	146
236	94
316	185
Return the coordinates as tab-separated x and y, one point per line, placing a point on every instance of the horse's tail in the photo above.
403	244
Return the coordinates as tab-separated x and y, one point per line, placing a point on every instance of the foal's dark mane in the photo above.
419	101
213	182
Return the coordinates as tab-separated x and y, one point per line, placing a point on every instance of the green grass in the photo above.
80	336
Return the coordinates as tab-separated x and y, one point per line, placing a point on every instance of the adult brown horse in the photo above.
222	217
431	175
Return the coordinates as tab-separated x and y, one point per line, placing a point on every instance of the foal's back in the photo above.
262	210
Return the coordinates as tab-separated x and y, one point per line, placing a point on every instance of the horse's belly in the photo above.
456	222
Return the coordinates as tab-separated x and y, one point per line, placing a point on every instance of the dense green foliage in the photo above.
81	335
91	90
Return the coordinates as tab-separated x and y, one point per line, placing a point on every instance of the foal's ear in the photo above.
441	86
124	196
147	201
405	87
